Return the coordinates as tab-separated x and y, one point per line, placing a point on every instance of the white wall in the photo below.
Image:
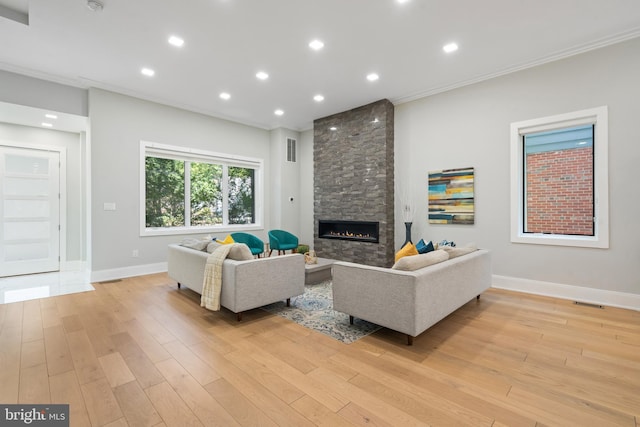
75	236
285	183
118	124
470	127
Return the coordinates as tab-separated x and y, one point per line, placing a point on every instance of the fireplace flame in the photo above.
347	233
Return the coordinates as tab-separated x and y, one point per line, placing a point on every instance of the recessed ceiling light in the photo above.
51	116
333	128
225	95
147	72
176	41
47	125
316	45
95	5
278	112
262	75
318	98
402	1
451	47
372	77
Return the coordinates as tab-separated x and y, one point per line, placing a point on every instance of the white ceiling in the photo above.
228	41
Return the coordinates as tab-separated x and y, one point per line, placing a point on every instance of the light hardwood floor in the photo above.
140	352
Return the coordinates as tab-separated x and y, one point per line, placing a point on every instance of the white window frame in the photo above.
192	154
599	118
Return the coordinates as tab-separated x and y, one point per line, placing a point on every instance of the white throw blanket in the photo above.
212	283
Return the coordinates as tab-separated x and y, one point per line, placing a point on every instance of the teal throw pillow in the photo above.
423	247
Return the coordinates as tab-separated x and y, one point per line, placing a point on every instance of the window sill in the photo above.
147	232
560	240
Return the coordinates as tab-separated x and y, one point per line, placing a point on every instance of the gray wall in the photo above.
118	124
75	235
470	127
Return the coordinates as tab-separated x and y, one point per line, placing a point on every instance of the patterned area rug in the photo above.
314	310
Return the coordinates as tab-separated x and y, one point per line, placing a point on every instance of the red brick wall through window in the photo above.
560	192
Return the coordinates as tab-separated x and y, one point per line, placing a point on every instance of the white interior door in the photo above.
29	211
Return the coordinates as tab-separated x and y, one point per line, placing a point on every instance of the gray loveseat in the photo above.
245	284
410	301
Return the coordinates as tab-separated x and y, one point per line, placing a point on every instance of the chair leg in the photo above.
351	320
409	340
270	252
288	302
179	285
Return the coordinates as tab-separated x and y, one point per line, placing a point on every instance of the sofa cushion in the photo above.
455	252
423	247
416	262
406	250
199	243
238	251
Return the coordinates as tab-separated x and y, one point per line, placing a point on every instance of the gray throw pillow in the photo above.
199	244
212	246
416	262
461	250
238	252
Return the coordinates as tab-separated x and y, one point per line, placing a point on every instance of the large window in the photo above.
558	185
559	180
186	190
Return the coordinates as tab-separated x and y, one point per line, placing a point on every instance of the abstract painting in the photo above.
451	196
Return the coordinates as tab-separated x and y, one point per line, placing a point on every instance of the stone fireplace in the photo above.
354	185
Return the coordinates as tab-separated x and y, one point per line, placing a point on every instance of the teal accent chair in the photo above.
282	241
255	244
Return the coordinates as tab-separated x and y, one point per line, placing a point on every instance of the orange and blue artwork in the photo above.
451	196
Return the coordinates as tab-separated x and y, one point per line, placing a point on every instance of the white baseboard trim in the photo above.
568	292
73	266
121	273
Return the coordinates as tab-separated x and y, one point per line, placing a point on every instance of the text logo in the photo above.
34	415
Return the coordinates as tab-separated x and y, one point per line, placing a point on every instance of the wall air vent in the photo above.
291	150
588	304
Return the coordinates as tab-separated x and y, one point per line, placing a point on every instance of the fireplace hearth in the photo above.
358	231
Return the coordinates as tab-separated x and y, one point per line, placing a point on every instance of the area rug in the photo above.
314	310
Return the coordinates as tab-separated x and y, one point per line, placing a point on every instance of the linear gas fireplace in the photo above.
358	231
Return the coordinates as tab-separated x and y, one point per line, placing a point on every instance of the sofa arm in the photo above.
379	295
262	281
186	266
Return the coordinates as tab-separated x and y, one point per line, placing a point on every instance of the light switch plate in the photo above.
110	206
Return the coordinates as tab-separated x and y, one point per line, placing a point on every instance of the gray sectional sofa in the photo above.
246	284
411	301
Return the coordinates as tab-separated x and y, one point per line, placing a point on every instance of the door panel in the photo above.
29	211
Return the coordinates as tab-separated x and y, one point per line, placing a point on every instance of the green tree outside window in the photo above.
166	183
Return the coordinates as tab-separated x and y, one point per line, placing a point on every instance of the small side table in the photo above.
316	273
